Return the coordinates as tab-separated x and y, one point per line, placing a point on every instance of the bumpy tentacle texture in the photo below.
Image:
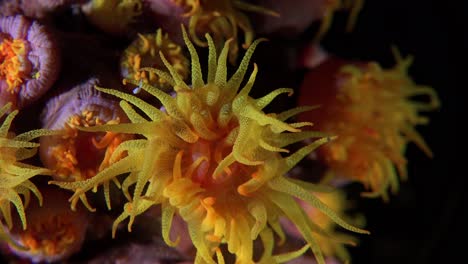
15	175
212	156
221	18
380	106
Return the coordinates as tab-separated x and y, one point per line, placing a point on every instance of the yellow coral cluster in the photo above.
213	157
13	63
144	52
378	115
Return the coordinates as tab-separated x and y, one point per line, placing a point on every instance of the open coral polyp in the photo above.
374	112
15	175
213	157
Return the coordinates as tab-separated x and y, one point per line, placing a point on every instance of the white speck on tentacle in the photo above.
173	94
138	89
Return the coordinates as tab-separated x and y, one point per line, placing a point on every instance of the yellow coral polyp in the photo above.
212	156
80	155
380	106
12	63
113	16
221	18
332	6
15	175
144	52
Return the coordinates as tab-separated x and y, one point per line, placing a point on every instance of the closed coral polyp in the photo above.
213	157
50	236
55	232
12	63
81	155
74	154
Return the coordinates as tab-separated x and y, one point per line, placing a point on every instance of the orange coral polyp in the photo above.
12	63
212	157
80	155
374	116
52	236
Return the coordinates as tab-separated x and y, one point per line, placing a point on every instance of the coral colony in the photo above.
161	126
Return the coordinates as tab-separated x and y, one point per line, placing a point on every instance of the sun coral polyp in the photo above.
213	157
72	154
55	232
113	16
15	175
144	52
373	111
221	18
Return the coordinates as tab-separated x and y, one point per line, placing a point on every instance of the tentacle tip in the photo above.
182	27
114	231
53	183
